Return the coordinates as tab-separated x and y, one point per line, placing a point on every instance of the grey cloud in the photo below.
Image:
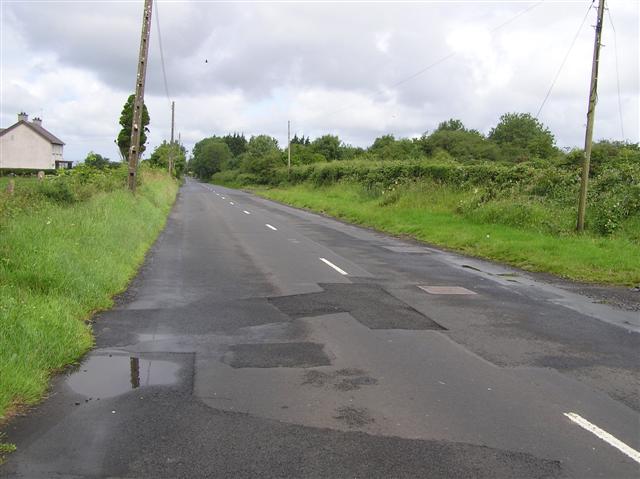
267	53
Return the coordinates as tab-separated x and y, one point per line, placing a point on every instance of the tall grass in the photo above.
59	263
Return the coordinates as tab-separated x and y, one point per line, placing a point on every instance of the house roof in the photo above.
47	135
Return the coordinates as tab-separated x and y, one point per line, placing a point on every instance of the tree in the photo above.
167	152
237	143
460	143
303	155
451	125
328	146
96	160
521	137
300	140
262	155
386	147
126	119
209	155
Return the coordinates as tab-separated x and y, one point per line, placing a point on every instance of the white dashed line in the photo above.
223	197
339	270
271	227
231	203
604	435
246	212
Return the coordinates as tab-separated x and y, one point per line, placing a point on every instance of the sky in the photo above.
358	70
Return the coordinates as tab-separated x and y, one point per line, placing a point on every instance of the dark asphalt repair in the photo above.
237	353
368	303
277	355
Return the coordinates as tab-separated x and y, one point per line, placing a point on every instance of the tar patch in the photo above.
278	355
370	304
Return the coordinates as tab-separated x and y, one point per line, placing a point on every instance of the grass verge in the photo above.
58	265
429	212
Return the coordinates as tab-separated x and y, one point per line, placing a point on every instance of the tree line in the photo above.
517	138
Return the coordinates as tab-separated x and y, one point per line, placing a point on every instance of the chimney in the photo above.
37	121
22	116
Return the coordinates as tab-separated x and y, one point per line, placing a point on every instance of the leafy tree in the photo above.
328	146
451	125
521	137
460	143
126	118
303	155
96	160
386	147
166	152
348	152
237	143
300	141
261	145
209	155
262	155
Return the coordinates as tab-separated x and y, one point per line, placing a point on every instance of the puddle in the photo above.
114	373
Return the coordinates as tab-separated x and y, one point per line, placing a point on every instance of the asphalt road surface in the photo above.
263	341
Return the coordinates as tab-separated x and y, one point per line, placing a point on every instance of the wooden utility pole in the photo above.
173	116
138	104
593	97
289	147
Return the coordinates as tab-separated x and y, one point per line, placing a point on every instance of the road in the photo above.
260	340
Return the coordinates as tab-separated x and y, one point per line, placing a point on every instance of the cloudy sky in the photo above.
355	69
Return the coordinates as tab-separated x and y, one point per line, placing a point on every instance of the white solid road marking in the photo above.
246	212
339	270
271	227
604	435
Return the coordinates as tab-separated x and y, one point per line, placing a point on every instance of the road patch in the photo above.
278	355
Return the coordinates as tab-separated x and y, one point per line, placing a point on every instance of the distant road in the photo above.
263	341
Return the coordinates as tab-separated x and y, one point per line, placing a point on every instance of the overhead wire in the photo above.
443	58
615	48
164	71
564	60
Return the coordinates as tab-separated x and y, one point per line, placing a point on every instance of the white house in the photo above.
28	145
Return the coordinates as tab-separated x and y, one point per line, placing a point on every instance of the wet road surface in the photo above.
263	341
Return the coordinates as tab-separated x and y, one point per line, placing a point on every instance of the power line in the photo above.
564	60
445	57
164	71
615	48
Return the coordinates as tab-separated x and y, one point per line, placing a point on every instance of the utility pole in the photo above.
138	105
289	147
593	96
173	116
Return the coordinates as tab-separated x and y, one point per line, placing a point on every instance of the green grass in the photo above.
19	181
430	212
60	264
